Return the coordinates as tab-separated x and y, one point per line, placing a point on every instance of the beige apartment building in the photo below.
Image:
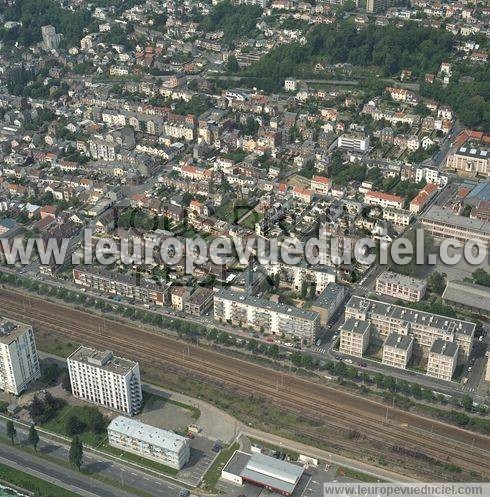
265	315
397	350
400	217
354	337
443	358
425	327
400	286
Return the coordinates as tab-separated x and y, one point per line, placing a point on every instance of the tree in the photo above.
232	64
33	437
74	426
436	282
11	431
65	382
76	453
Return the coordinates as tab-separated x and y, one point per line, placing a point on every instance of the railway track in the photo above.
458	446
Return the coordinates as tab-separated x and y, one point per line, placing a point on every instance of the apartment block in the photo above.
354	141
400	217
100	377
443	358
19	362
329	301
397	350
159	445
384	199
423	197
320	184
442	223
128	286
262	314
375	6
400	286
425	327
103	149
354	337
199	302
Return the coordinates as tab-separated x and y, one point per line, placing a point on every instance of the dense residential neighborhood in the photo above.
156	157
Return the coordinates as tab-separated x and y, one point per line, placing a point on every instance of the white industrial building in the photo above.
19	362
264	471
104	379
162	446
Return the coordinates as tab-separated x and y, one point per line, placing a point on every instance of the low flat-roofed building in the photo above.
329	301
443	223
400	286
354	337
400	217
163	446
475	298
268	472
443	358
397	350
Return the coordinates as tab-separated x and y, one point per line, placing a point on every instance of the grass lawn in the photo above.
52	345
356	475
142	461
57	425
36	486
214	472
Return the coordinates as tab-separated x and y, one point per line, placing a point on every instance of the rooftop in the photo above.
10	330
167	440
469	294
267	304
444	347
442	215
103	359
400	279
356	326
413	316
397	341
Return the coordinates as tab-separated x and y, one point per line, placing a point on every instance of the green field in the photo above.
36	486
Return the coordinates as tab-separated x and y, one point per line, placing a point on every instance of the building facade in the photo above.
397	350
265	315
149	442
19	361
104	379
354	337
400	286
443	359
425	327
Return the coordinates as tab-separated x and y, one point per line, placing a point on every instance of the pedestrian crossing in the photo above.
320	350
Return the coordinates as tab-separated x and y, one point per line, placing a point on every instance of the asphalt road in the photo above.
92	462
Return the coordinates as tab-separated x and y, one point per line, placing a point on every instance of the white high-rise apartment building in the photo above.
19	362
102	378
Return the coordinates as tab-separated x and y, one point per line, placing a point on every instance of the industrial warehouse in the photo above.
264	471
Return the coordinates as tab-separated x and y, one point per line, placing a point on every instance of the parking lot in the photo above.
202	457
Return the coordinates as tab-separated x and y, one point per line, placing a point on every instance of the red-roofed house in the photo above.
417	204
384	199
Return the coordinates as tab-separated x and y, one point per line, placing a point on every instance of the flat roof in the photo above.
267	304
401	279
410	315
439	214
11	329
103	359
470	294
274	473
330	293
167	440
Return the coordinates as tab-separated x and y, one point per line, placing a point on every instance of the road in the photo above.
158	352
65	478
95	463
